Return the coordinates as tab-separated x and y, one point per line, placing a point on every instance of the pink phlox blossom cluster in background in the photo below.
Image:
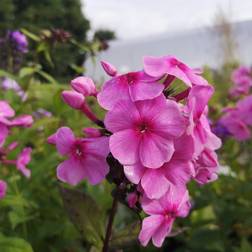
7	122
238	119
242	81
158	139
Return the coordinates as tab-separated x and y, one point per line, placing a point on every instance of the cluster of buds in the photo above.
56	35
151	143
7	122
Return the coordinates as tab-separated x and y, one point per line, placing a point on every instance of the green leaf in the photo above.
30	35
27	71
12	244
85	215
245	246
4	73
47	76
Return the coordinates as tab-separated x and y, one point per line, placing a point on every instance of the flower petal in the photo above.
149	226
71	171
64	140
112	92
154	150
154	183
134	172
124	146
162	232
96	168
145	90
122	116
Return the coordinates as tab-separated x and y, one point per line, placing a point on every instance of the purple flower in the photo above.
20	41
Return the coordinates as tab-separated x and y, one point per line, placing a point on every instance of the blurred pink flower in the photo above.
244	107
206	167
235	125
145	131
3	189
22	121
242	79
23	159
86	157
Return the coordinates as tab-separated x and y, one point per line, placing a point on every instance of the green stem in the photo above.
110	225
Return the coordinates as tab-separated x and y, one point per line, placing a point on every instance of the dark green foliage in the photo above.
36	15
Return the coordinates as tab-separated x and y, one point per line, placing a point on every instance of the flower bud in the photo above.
108	68
52	139
132	199
84	85
92	132
73	99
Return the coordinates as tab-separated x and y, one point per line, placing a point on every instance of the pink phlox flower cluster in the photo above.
7	122
242	80
238	119
160	140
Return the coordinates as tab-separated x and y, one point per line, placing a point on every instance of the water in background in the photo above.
196	47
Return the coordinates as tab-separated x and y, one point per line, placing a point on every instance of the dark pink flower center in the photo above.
143	127
132	78
171	214
78	150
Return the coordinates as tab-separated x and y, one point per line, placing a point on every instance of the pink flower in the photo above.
23	159
22	121
144	130
244	107
4	132
84	85
206	167
108	68
3	189
6	110
199	128
175	173
163	213
159	66
235	125
133	86
86	157
242	79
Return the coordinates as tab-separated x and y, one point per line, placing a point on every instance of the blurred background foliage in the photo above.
35	213
61	28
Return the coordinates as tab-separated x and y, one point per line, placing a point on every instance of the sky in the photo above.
134	19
